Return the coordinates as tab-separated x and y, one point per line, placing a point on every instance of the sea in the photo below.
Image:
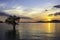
30	31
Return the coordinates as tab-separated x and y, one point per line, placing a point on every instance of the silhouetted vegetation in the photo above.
55	21
1	21
13	20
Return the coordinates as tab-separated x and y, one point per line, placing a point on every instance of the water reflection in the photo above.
57	31
31	31
49	27
11	35
39	31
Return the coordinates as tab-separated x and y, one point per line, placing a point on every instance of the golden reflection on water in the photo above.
36	29
44	27
41	27
50	28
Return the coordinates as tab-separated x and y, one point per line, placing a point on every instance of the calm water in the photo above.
31	31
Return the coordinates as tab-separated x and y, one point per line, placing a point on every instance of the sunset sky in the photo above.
37	9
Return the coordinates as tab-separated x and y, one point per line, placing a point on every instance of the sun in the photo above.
49	19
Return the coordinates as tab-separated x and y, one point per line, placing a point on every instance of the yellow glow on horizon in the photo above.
49	18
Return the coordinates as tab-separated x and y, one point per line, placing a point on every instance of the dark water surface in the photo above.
30	31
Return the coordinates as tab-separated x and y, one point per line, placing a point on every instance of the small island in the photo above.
52	21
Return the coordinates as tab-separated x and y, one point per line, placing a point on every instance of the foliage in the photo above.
12	20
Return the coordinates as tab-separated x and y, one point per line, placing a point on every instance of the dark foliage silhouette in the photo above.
13	20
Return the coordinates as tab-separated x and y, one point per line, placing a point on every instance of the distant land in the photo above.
52	21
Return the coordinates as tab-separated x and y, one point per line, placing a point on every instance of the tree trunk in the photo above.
14	29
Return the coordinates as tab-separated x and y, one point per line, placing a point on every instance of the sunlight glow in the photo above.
49	18
49	29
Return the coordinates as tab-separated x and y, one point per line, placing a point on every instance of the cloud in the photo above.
50	15
35	10
55	14
21	17
18	7
2	5
25	17
4	14
21	10
56	6
30	12
15	11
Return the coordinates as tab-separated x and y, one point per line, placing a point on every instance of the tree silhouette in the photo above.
13	20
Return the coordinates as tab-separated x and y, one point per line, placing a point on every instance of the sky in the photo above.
36	9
